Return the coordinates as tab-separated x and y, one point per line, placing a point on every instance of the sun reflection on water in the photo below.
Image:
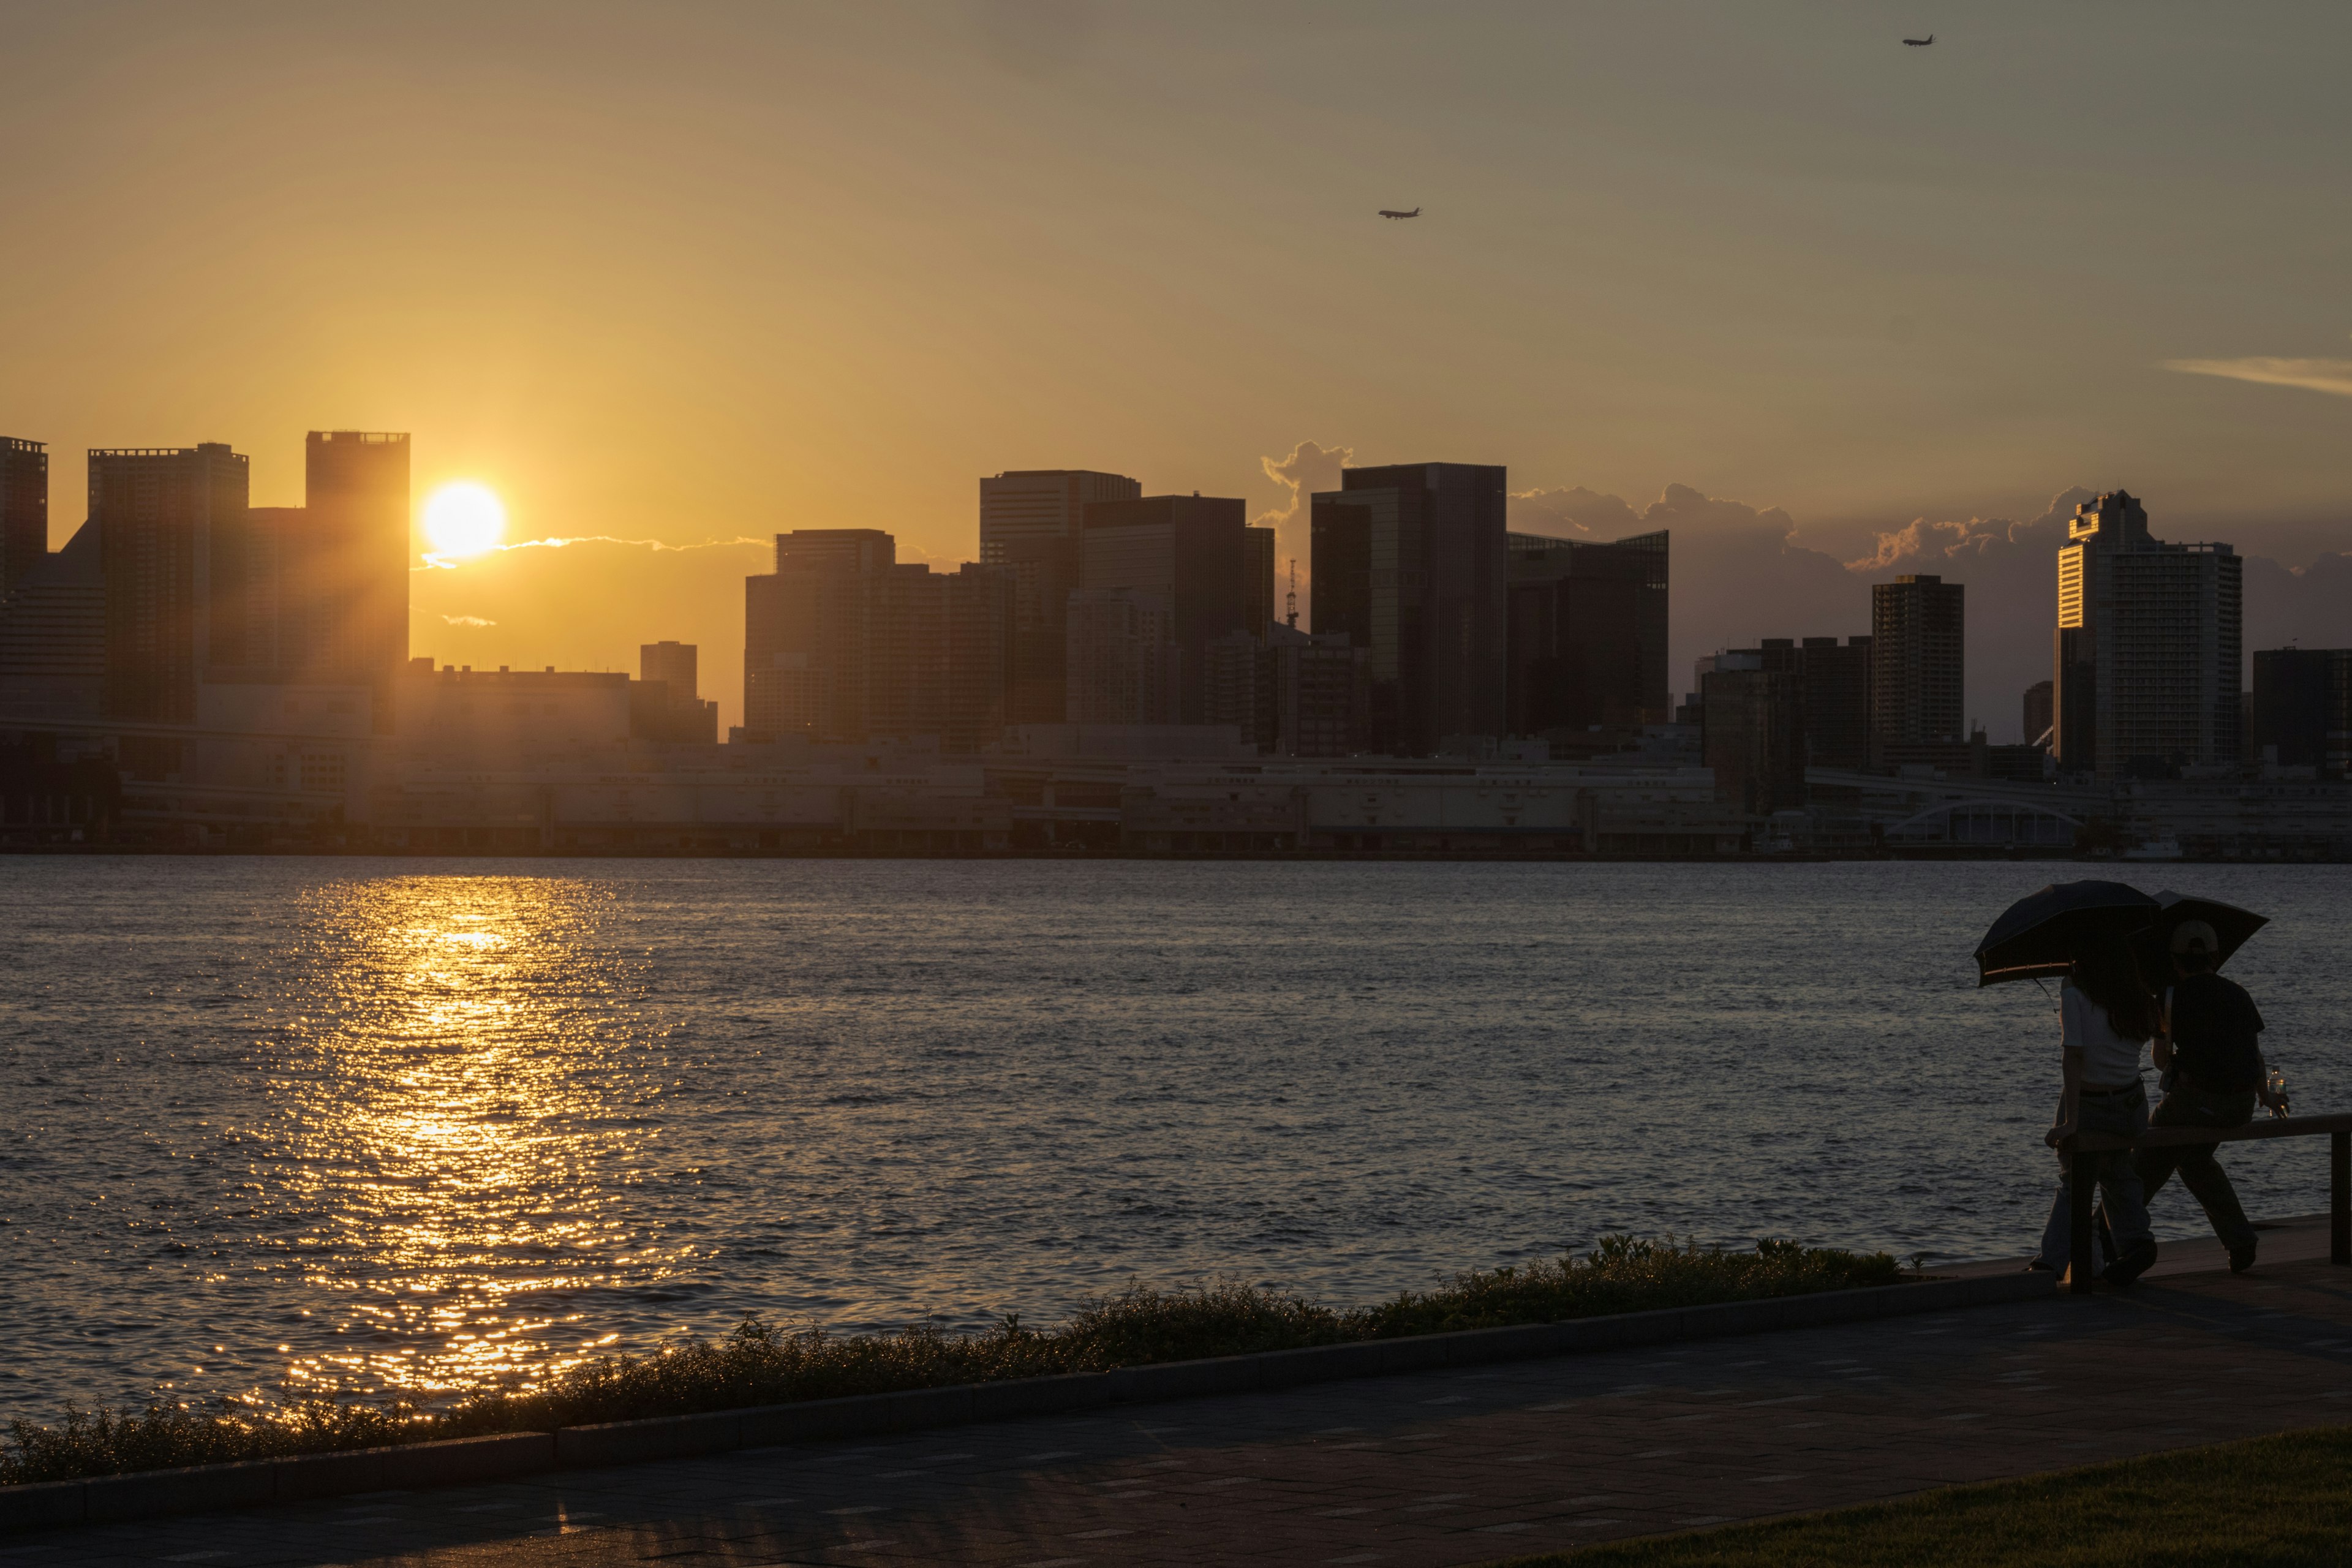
458	1100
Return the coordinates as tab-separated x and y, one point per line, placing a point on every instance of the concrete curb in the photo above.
460	1461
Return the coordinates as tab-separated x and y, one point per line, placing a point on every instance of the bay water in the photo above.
405	1128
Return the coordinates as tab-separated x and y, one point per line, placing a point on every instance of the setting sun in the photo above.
463	519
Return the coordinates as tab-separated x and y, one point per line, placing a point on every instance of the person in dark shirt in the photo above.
2211	1055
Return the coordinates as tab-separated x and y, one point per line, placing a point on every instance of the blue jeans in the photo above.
2125	1115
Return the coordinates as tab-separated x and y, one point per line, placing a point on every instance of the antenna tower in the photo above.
1291	600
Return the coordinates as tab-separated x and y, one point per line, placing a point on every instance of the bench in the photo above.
2080	1148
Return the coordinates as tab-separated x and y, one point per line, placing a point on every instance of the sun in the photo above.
463	519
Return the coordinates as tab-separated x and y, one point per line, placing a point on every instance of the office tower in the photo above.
2303	709
1237	687
1587	639
347	568
1752	734
2146	647
53	636
1030	521
1160	578
1410	561
664	701
673	664
1834	695
979	656
843	644
1257	581
1917	664
1320	693
2038	706
156	509
23	510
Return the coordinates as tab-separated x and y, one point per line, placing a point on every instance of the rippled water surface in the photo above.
357	1126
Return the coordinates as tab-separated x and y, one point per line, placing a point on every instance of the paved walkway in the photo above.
1434	1468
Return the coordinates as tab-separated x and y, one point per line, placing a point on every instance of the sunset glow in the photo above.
463	519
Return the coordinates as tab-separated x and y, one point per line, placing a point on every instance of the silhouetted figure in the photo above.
2108	1016
2214	1074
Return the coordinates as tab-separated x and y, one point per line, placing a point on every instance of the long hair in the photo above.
2105	971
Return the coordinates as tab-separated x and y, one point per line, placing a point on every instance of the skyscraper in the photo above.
1167	574
1918	663
2303	709
674	665
1030	521
1410	561
1257	581
1588	632
348	572
2147	646
23	510
156	510
842	643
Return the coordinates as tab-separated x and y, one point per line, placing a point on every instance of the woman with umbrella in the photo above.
2108	1018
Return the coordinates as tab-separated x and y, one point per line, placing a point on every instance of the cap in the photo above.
2195	936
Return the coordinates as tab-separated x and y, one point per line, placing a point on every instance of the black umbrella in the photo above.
2040	934
2232	924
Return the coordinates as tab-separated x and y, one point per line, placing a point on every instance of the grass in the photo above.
760	1363
2277	1501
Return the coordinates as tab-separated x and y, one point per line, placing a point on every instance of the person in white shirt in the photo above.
2108	1016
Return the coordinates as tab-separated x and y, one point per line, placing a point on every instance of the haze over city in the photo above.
671	282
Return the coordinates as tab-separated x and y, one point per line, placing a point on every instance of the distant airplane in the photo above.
1921	43
1391	212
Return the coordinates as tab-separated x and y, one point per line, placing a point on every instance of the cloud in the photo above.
467	621
449	564
1573	510
1977	536
2333	377
1310	468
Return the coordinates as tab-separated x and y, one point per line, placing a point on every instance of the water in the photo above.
370	1127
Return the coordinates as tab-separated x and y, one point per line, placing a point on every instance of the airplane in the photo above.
1921	43
1391	212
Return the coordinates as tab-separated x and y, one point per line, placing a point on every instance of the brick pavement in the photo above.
1432	1468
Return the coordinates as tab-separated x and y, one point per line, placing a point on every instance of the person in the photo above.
2107	1016
2208	1050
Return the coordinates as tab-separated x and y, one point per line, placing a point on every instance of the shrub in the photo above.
760	1363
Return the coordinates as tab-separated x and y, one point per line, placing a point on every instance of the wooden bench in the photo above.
2079	1148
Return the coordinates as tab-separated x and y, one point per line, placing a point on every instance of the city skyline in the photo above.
1847	317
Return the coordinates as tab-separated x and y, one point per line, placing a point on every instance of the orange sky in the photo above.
700	272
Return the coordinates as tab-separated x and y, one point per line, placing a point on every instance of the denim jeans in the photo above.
2117	1176
2202	1175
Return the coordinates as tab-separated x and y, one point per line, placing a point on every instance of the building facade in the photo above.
160	514
1752	734
2303	709
2148	648
1030	525
1411	562
1918	665
1587	638
23	510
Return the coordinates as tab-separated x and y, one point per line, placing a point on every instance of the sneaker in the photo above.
2241	1258
2134	1263
2038	1266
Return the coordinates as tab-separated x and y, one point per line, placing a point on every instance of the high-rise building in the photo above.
23	510
1752	734
1410	561
664	701
346	569
1918	663
1587	639
53	636
2038	706
1177	564
156	510
2147	647
2303	709
1257	581
842	642
1834	690
1030	521
1320	692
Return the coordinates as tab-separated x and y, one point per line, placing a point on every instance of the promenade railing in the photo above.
2083	1149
